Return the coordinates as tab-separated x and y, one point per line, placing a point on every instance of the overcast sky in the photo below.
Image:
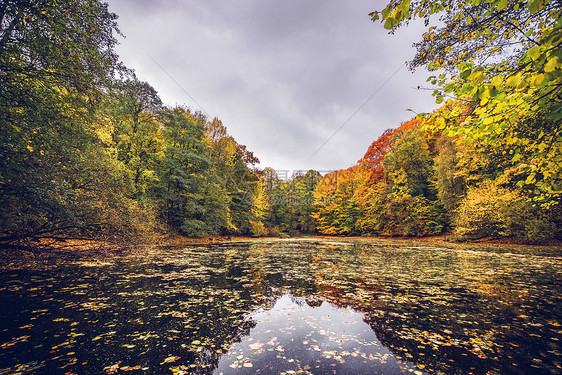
282	75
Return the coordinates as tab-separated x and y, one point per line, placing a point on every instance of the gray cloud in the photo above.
282	76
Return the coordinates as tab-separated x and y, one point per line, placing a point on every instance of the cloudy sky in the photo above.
283	76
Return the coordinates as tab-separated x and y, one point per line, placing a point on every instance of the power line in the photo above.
181	88
357	111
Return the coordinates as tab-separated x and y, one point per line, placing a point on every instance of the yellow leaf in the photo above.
552	64
478	78
497	81
513	80
538	80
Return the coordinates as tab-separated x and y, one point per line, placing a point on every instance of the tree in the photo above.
233	163
193	202
409	167
55	60
300	201
411	206
278	213
491	210
337	208
511	101
66	43
133	109
449	183
373	158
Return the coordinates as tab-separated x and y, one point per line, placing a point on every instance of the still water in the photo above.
287	307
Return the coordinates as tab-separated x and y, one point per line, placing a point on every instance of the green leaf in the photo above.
389	23
405	6
502	4
513	81
535	6
386	12
534	53
555	112
478	78
538	80
465	73
531	178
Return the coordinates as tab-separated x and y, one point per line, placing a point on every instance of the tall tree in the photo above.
55	60
337	208
373	158
233	165
133	108
185	185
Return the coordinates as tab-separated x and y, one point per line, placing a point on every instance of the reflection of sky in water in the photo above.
188	311
299	337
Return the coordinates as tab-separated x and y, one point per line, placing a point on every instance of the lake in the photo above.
308	306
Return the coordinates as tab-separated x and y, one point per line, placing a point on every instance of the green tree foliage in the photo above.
192	200
55	59
409	167
510	102
66	43
404	201
133	109
233	164
291	203
411	205
277	217
374	157
297	202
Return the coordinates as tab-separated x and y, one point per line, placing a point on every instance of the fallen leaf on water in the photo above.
256	345
170	359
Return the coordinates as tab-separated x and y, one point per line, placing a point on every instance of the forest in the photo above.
89	151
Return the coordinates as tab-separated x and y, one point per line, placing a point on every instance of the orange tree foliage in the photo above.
376	153
416	181
386	193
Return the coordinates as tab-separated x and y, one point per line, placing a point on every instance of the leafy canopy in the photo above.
502	61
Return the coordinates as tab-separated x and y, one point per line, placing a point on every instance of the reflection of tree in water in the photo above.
297	301
434	323
206	361
314	302
193	304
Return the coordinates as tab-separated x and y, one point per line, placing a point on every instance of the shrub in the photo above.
490	210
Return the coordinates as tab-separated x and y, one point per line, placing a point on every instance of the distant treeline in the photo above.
416	182
90	151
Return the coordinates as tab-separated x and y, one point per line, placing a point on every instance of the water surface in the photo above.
273	307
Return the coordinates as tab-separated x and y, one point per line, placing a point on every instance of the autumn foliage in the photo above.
418	182
373	158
